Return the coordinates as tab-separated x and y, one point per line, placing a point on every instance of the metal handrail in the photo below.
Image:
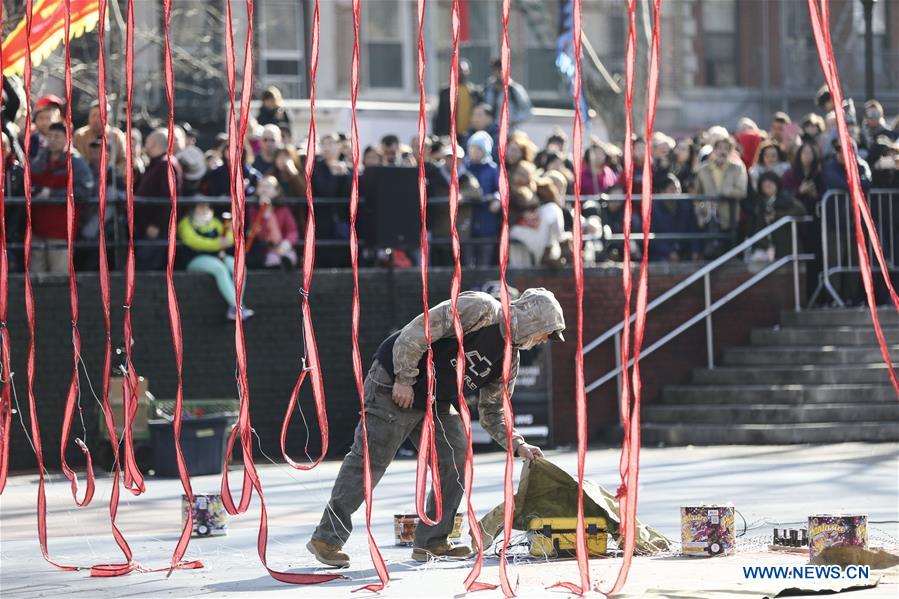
710	307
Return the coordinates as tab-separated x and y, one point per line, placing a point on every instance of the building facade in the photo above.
721	59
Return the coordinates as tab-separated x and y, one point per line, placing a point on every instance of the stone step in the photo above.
771	413
728	375
805	354
777	394
762	434
836	335
839	317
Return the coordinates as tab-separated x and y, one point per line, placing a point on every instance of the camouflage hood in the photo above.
536	312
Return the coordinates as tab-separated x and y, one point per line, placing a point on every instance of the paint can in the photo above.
404	528
210	517
707	530
836	530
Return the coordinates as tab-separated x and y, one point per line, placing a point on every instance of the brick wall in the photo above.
274	348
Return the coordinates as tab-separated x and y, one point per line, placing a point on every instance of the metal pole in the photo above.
710	350
793	228
618	360
869	48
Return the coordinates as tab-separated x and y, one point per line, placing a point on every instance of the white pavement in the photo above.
767	484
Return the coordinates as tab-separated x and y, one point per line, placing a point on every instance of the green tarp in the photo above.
547	491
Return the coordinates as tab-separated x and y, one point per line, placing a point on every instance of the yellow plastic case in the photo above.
557	537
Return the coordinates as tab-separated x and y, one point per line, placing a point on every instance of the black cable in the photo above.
745	526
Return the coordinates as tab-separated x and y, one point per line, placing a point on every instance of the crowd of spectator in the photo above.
747	176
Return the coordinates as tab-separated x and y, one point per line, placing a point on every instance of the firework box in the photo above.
707	530
557	537
404	528
210	517
834	531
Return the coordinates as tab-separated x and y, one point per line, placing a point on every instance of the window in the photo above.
197	55
282	61
384	33
483	41
482	44
719	42
539	24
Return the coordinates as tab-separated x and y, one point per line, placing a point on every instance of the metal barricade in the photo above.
839	250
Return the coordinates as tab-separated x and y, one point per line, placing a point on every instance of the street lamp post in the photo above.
868	5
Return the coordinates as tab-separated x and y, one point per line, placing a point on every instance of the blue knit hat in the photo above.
482	140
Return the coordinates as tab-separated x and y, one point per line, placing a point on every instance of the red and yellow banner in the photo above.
47	31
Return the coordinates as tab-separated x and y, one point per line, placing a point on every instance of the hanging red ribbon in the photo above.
129	565
427	447
580	395
174	313
29	310
471	581
5	365
133	479
508	491
628	507
244	428
377	559
310	363
72	398
626	281
820	19
235	171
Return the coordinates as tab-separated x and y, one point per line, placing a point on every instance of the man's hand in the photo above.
529	452
403	396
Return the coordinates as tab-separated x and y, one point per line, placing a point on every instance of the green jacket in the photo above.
202	240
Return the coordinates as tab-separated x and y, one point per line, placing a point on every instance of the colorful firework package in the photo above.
210	517
404	528
707	530
834	531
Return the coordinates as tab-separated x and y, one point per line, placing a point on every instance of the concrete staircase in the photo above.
819	377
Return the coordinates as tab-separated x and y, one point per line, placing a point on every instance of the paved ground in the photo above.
767	484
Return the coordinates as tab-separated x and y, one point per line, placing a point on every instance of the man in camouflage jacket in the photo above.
395	393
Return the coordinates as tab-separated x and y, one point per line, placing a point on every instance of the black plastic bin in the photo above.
203	441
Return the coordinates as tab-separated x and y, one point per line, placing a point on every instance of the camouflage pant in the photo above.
388	427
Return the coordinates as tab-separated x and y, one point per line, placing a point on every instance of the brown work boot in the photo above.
442	550
330	555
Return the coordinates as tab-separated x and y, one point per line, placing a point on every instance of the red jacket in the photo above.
50	220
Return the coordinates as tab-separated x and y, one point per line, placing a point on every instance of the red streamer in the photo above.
580	395
508	491
174	313
5	365
820	19
626	281
377	559
312	367
244	428
628	508
129	565
427	448
72	398
29	311
133	479
471	581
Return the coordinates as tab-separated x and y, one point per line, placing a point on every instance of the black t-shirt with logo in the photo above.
484	357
